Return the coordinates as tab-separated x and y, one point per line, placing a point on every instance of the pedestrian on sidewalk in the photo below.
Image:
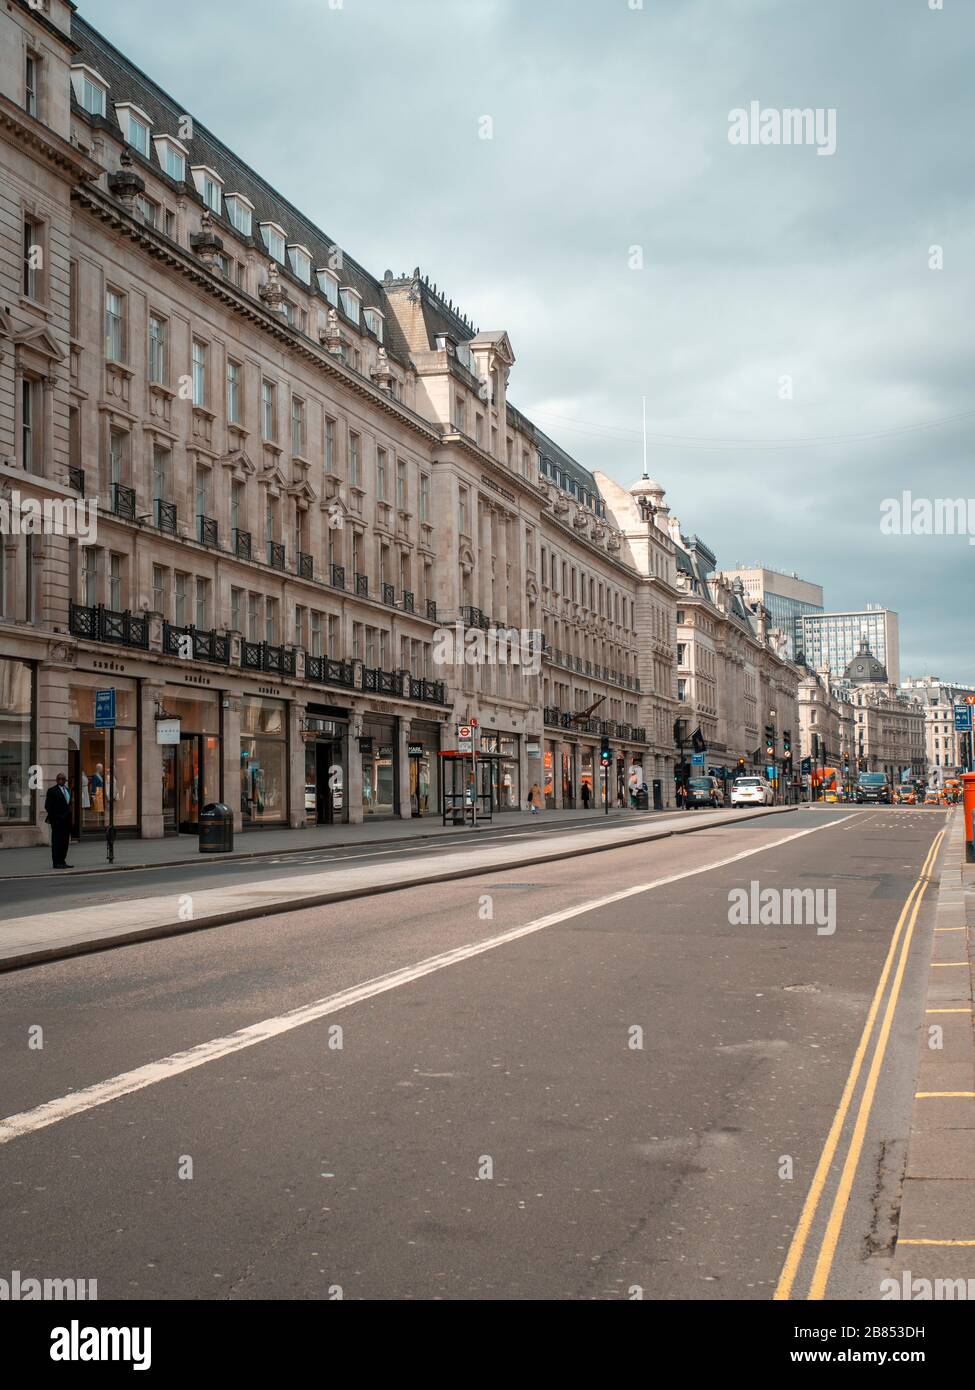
57	805
586	795
535	799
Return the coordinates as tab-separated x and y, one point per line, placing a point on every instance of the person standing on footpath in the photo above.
57	805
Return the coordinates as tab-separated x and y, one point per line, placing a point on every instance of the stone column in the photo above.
53	709
401	749
353	789
150	761
297	817
231	754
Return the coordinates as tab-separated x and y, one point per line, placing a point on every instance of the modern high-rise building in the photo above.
787	598
833	639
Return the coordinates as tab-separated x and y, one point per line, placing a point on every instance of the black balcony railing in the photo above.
362	585
263	656
328	671
123	501
305	566
389	595
275	555
433	691
338	577
473	617
76	479
242	544
165	515
204	645
432	610
380	682
206	530
106	625
551	714
408	601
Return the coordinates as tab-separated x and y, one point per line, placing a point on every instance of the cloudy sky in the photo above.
760	263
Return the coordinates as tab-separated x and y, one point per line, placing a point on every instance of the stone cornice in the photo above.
175	258
53	148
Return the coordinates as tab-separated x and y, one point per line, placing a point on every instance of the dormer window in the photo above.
374	322
172	156
351	301
466	357
275	239
209	185
300	258
136	126
329	286
90	88
240	211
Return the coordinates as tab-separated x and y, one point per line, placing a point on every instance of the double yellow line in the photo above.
834	1224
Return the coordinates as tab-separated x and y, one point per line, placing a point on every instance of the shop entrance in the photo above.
324	782
182	765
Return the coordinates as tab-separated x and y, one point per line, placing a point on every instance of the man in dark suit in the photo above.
57	804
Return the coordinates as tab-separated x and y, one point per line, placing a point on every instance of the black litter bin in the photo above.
658	794
216	828
642	800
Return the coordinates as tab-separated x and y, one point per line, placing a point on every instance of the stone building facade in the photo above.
888	725
826	715
947	751
306	478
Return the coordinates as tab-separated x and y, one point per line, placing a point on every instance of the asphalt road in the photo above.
493	1127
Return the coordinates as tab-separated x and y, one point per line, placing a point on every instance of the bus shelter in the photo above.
465	786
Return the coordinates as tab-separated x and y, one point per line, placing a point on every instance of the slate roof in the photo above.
129	83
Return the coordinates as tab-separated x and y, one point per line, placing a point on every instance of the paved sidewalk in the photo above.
936	1232
53	935
89	854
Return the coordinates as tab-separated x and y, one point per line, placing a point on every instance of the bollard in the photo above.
968	796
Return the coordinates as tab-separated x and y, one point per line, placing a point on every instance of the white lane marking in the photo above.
52	1111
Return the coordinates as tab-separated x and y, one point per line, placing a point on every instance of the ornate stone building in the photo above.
826	715
304	476
888	725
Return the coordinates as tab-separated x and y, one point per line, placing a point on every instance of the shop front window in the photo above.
16	743
378	771
549	770
102	793
263	761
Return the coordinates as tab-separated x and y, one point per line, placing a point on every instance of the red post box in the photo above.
968	797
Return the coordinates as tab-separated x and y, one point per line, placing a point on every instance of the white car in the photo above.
751	791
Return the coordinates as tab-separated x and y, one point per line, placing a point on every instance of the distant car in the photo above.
906	795
932	797
751	791
705	791
874	787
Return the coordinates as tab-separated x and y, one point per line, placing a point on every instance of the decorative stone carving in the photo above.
207	245
331	338
126	184
272	291
383	375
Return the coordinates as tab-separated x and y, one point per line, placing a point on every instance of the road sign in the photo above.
970	699
697	759
963	719
105	709
465	738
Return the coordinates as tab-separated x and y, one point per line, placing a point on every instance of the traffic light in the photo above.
742	764
604	751
770	740
787	740
815	747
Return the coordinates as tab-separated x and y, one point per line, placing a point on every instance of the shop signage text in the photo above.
167	731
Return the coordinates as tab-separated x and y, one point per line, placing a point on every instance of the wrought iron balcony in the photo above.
362	585
242	543
76	479
473	617
275	555
432	610
329	671
123	501
263	656
552	714
101	624
380	682
165	515
207	532
640	734
389	595
305	566
337	579
207	645
435	692
408	602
